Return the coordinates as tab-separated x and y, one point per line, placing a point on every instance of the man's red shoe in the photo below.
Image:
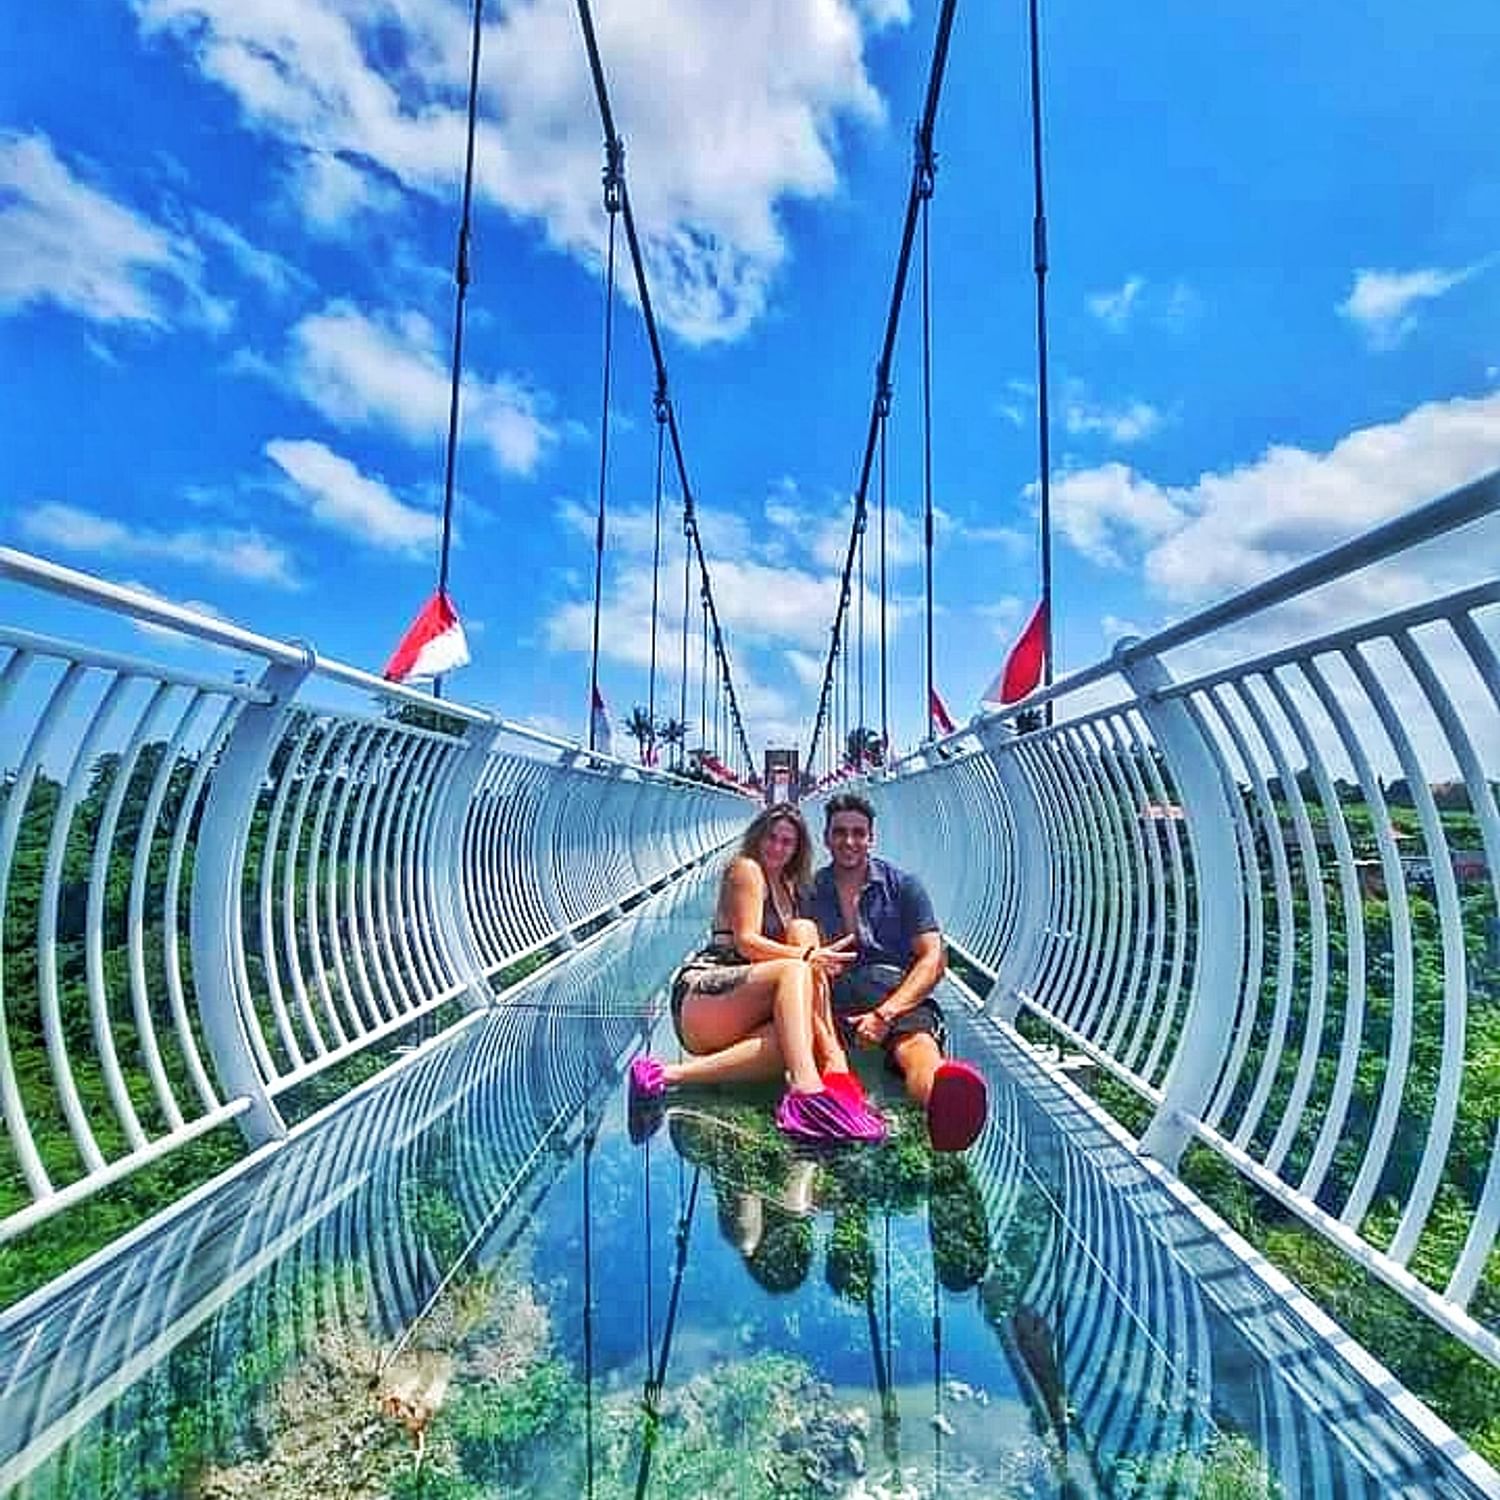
956	1107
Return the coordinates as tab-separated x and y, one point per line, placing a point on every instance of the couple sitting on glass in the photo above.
801	967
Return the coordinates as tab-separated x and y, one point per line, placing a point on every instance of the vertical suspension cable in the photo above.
718	697
461	291
588	1309
614	151
927	169
861	726
703	686
659	406
687	573
884	409
1039	256
842	755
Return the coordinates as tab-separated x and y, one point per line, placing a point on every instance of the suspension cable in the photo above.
926	167
883	365
687	573
1039	256
883	410
614	177
643	291
703	683
461	291
659	406
860	726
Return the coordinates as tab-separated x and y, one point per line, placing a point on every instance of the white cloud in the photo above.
345	500
238	553
333	192
1103	510
1232	529
1382	302
1003	616
277	275
1114	309
1131	423
164	633
706	200
362	371
72	245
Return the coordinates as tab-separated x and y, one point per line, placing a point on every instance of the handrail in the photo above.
268	886
151	609
1461	507
1266	898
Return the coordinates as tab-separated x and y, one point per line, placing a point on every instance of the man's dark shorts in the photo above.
863	988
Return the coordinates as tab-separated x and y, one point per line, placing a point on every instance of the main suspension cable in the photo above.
883	365
461	292
643	291
614	179
1039	257
926	167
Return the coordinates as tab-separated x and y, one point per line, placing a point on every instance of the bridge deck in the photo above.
1044	1316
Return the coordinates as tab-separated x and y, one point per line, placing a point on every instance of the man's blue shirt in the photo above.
894	909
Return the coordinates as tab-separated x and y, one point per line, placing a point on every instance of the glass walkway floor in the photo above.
470	1281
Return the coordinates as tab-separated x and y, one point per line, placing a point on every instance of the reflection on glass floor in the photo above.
470	1282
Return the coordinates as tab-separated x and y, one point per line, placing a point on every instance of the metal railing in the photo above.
214	889
1263	895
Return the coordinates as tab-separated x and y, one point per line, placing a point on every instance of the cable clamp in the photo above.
883	400
661	405
614	174
925	161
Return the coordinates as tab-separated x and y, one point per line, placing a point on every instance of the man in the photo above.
885	999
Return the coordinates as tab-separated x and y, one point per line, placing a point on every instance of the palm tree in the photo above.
672	732
864	748
640	728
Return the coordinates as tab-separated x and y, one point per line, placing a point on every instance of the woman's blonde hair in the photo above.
799	866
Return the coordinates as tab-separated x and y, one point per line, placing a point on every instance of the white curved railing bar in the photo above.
213	890
1204	885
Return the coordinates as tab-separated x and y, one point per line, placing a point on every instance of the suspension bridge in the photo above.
318	991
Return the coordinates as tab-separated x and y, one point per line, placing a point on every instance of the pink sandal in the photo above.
827	1117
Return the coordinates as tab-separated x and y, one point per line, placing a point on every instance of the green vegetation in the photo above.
1461	1387
1229	1468
72	1235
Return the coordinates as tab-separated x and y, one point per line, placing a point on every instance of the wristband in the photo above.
806	956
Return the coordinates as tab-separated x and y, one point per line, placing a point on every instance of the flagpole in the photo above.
1039	251
461	282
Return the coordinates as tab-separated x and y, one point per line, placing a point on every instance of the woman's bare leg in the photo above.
752	1059
827	1048
779	991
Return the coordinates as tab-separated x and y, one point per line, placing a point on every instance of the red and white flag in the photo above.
1023	667
603	737
938	710
434	643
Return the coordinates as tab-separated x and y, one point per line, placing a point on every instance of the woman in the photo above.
753	1004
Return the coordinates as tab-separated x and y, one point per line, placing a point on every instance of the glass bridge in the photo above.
316	998
474	1266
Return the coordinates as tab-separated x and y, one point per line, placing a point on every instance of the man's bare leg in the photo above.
918	1058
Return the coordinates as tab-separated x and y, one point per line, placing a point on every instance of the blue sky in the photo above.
226	236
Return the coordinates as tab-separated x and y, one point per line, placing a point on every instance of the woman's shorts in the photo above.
714	971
